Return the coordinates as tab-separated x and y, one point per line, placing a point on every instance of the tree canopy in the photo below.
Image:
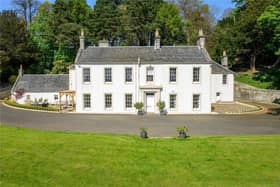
45	38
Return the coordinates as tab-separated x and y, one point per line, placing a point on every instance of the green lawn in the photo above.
247	78
45	158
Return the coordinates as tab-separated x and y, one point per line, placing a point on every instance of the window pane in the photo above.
150	74
86	74
172	74
87	103
108	100
196	74
128	100
196	101
224	79
128	74
108	75
172	101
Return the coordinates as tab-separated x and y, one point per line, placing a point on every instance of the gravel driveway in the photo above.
130	124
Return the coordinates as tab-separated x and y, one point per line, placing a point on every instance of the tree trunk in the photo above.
276	63
253	63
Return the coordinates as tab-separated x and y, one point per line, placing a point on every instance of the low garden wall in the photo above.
250	93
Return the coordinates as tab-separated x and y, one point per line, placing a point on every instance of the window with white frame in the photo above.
150	74
128	74
87	102
128	100
224	79
55	96
86	74
196	101
172	101
196	74
108	100
172	74
108	74
28	97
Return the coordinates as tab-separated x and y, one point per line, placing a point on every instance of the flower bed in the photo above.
34	107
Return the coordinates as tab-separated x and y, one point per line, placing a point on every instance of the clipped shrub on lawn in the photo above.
143	133
182	131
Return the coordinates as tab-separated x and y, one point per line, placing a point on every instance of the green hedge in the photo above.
11	103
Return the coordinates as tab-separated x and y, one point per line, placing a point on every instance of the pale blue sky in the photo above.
219	5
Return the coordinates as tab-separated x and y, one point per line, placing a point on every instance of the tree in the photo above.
170	23
68	18
43	37
27	8
14	46
252	44
105	21
141	16
269	23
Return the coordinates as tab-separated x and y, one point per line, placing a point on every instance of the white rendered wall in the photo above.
226	90
35	95
184	88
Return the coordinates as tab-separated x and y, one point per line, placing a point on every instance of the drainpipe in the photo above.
138	79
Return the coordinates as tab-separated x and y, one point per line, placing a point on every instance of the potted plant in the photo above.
139	106
182	131
161	106
143	133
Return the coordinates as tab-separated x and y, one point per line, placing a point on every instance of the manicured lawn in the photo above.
247	78
44	158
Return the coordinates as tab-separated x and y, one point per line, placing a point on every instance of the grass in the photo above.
247	78
34	107
44	158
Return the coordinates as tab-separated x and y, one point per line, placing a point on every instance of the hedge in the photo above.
11	103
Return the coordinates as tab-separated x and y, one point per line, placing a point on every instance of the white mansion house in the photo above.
111	79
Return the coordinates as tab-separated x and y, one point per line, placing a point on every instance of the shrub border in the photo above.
14	104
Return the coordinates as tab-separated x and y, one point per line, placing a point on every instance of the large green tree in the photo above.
105	22
14	46
43	37
142	14
171	24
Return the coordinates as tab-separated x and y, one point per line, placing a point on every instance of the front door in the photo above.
218	96
150	102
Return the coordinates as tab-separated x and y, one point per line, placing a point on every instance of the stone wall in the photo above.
250	93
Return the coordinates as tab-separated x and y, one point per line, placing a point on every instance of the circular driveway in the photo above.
130	124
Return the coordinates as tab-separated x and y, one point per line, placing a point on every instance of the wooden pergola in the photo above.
71	99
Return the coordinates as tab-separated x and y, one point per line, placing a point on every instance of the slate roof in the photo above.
147	55
219	69
42	82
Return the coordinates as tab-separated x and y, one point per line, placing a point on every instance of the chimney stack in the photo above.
201	39
157	40
103	43
224	60
20	71
82	40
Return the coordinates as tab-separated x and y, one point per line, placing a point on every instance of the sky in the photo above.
218	5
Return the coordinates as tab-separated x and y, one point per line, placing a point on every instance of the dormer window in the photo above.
150	74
